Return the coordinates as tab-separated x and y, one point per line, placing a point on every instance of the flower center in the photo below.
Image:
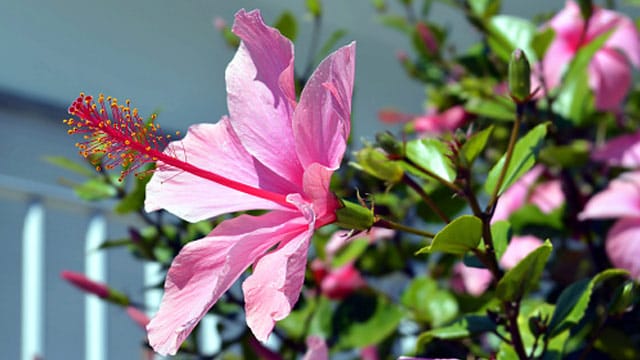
115	135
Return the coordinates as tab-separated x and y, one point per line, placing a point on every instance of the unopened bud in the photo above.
586	8
354	216
96	288
519	76
625	297
389	143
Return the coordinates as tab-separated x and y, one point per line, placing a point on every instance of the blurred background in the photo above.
167	56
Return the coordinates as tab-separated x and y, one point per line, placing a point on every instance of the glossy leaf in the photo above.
525	276
476	144
524	157
573	301
467	326
508	33
431	154
429	303
459	236
541	41
497	109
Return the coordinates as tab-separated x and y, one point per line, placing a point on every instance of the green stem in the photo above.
425	197
512	309
512	144
397	226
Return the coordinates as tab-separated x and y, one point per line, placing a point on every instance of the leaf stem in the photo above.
388	224
425	197
435	176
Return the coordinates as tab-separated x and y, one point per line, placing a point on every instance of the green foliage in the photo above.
475	145
464	328
362	320
523	159
525	276
287	25
375	163
573	301
429	303
459	236
432	155
508	33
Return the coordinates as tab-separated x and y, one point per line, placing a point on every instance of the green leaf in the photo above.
458	237
475	145
523	159
431	154
314	7
507	33
134	200
376	164
484	9
287	25
396	22
501	234
467	326
541	41
525	276
95	189
530	214
361	320
429	303
498	108
575	99
576	154
70	165
573	301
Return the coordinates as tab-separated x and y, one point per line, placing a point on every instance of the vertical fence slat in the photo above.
95	309
33	283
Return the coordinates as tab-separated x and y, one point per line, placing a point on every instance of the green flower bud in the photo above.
389	143
519	76
626	295
586	8
354	216
375	163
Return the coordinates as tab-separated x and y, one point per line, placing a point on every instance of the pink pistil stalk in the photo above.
124	139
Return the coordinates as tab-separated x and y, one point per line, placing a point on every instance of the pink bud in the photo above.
340	283
219	23
84	283
427	37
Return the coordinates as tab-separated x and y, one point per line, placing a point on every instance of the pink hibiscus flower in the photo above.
609	69
623	151
272	153
621	199
432	123
273	144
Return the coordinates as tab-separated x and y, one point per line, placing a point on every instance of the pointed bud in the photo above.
519	76
96	288
354	216
586	8
626	295
389	143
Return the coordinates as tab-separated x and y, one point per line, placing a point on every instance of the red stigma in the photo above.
114	134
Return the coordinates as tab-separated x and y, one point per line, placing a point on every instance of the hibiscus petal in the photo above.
206	268
610	78
321	120
316	181
475	281
623	246
620	199
316	349
516	195
625	38
216	148
555	61
274	287
518	249
623	151
261	94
